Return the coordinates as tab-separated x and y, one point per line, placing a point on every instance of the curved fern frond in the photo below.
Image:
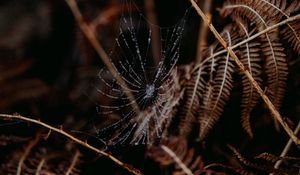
219	91
194	90
263	14
292	34
178	148
251	58
276	68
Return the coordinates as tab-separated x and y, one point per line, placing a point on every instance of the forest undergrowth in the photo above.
150	87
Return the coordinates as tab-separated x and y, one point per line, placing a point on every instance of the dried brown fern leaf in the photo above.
219	89
291	33
267	166
47	161
193	93
158	155
229	49
251	58
268	157
70	137
266	161
253	165
16	163
276	68
175	151
282	164
261	164
264	14
35	159
272	158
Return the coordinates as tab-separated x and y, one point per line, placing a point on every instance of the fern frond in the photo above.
251	58
179	149
276	68
266	13
291	33
272	158
219	90
194	90
248	163
263	14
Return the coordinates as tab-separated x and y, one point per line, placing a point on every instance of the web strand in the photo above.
153	86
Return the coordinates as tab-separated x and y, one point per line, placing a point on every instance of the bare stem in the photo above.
177	160
287	147
26	153
75	159
266	99
203	30
74	139
40	166
91	36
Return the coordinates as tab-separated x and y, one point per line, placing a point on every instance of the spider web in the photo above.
153	84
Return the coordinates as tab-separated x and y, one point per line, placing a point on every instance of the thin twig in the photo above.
287	147
203	31
177	160
75	159
91	36
290	19
76	140
26	153
40	166
266	99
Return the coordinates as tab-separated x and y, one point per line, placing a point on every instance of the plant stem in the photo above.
91	36
177	160
287	147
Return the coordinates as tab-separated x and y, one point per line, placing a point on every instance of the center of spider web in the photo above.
149	92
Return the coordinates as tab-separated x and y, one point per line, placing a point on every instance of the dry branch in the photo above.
91	36
266	99
203	31
74	139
